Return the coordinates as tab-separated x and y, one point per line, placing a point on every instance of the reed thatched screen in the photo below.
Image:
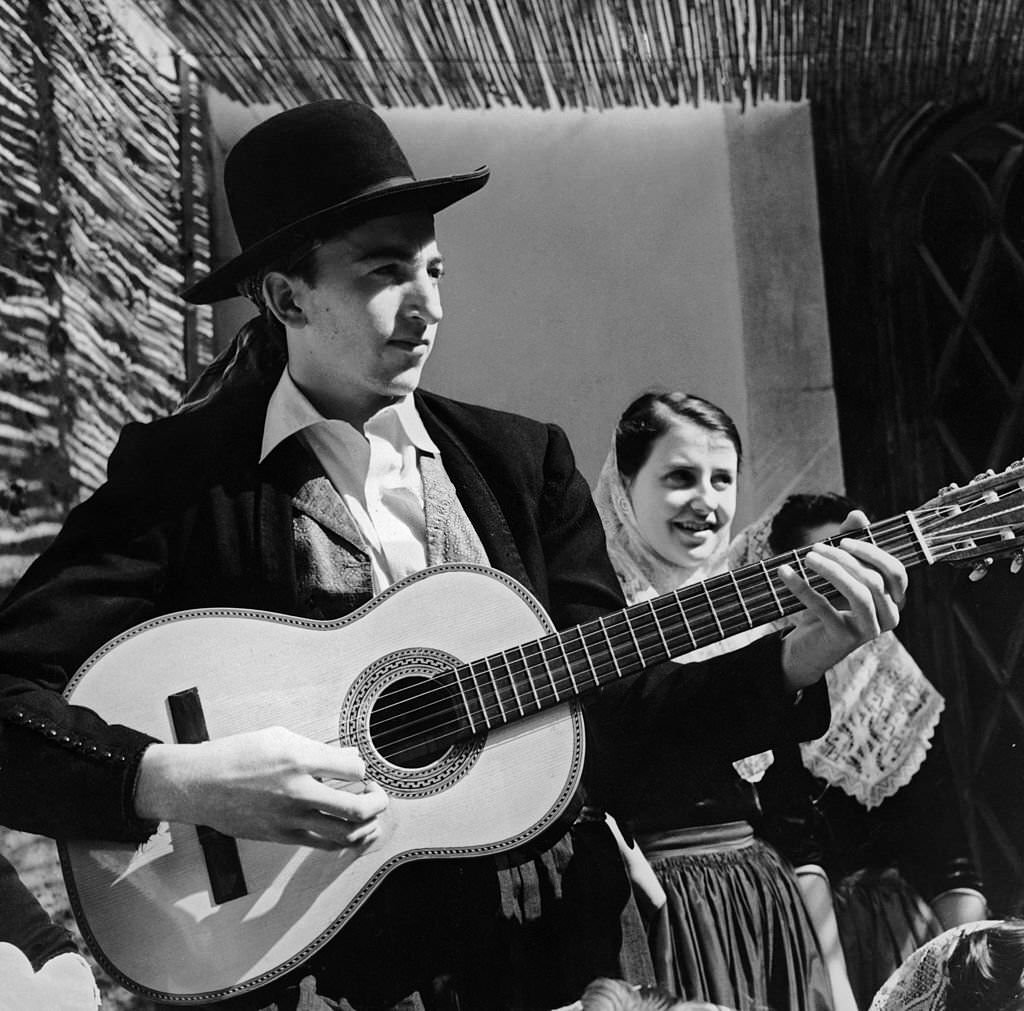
601	53
93	141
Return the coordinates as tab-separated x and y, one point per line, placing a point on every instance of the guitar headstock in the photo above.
976	523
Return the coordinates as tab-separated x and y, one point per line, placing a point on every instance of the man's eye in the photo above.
437	273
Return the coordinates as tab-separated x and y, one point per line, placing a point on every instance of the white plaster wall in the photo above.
598	260
612	251
793	438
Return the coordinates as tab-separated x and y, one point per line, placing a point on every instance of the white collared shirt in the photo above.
376	474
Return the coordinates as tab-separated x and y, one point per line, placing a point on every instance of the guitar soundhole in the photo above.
413	722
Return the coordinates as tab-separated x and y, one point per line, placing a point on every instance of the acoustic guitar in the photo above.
461	697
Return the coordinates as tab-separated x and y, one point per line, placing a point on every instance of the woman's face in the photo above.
684	496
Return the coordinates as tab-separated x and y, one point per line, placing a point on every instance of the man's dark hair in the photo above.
800	513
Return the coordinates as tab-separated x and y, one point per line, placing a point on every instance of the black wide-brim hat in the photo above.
313	170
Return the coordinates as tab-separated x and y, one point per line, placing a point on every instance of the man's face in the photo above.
369	320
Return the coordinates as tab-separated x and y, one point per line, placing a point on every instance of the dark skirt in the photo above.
881	920
734	930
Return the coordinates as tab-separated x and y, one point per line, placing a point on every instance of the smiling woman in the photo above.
679	457
727	922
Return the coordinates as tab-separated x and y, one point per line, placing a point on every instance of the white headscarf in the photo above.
644	574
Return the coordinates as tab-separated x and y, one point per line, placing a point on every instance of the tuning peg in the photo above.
1017	562
980	570
946	489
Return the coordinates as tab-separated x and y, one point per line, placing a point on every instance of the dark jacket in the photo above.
189	518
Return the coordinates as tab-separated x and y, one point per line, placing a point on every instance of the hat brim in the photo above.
430	195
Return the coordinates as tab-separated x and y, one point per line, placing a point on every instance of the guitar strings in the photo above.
637	630
639	636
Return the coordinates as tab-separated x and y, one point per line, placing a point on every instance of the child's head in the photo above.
618	995
986	969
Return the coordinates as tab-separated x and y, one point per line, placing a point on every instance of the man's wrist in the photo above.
158	793
797	673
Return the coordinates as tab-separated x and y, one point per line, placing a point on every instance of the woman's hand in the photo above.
873	586
270	784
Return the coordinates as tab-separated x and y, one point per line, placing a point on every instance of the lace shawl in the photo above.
884	710
920	983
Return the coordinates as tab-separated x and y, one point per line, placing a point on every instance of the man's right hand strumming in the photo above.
265	784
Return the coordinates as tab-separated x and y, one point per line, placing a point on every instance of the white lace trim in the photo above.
884	710
884	715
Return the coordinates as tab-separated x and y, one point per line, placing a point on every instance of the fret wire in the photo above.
646	639
771	586
686	621
547	668
629	628
465	703
497	691
480	696
711	604
739	597
611	648
512	682
529	677
592	667
799	562
657	625
568	666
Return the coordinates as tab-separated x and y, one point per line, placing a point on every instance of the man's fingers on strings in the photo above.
855	520
851	580
801	589
892	571
868	580
865	592
348	801
329	762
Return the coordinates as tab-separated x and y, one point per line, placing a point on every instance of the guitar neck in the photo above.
518	682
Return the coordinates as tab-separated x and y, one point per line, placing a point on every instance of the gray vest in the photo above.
331	557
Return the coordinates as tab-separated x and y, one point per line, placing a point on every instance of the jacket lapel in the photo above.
476	496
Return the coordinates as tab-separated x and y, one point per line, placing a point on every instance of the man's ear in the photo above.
280	294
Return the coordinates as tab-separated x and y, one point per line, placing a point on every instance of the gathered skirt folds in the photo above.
881	920
734	930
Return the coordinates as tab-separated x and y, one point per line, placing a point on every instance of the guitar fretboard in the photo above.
526	679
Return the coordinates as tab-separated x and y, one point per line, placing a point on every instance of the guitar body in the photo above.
148	912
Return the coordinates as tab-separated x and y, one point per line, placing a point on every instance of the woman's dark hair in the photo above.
649	417
986	969
799	513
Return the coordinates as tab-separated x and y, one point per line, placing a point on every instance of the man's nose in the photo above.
424	298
